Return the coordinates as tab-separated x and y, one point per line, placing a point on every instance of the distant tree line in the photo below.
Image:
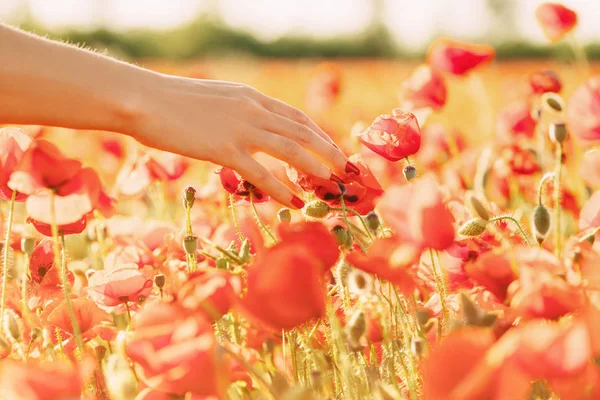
209	37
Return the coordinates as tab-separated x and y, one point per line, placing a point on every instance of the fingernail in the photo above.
297	202
352	169
335	178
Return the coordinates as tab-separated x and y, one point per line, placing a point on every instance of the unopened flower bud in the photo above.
541	223
477	206
473	227
316	378
409	172
552	102
189	197
316	209
27	245
36	333
359	281
356	327
372	221
159	280
423	315
190	244
418	346
470	312
12	326
557	132
284	215
341	235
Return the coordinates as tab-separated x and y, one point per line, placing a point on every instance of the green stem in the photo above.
543	181
557	205
439	284
128	315
258	220
580	56
7	238
234	219
362	220
523	234
62	262
345	217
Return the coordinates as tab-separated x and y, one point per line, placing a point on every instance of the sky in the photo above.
412	22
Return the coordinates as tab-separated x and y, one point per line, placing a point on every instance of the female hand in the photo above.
226	123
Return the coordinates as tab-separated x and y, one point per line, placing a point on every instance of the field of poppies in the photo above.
458	261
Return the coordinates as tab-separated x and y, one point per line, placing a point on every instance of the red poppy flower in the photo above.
233	183
173	349
360	191
122	284
45	276
590	213
556	20
583	110
394	136
520	160
425	88
44	381
544	81
315	237
212	292
458	58
515	122
429	220
590	168
391	259
13	144
294	292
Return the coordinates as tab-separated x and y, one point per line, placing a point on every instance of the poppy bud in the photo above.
189	196
356	327
190	244
245	250
100	353
372	221
316	209
284	215
359	281
418	346
477	206
557	132
473	227
409	172
222	263
470	313
423	315
36	333
316	378
159	280
552	102
27	245
541	223
12	326
341	235
488	319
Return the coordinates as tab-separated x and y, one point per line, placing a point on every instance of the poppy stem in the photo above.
234	218
11	211
62	262
581	59
252	372
521	231
345	217
24	301
128	315
258	220
547	177
362	220
557	199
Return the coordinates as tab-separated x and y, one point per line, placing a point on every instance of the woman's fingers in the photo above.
307	138
259	176
291	152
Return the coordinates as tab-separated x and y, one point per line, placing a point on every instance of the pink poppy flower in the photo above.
556	20
13	144
120	285
458	58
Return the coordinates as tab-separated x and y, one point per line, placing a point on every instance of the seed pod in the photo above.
557	132
316	209
409	172
359	281
190	244
541	223
473	227
372	221
477	206
552	102
189	197
12	326
159	280
356	327
27	245
423	315
284	215
222	263
36	333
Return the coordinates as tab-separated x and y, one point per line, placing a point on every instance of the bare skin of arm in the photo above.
43	82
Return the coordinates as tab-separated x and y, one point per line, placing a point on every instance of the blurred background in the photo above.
184	29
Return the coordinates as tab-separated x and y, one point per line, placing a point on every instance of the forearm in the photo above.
43	82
